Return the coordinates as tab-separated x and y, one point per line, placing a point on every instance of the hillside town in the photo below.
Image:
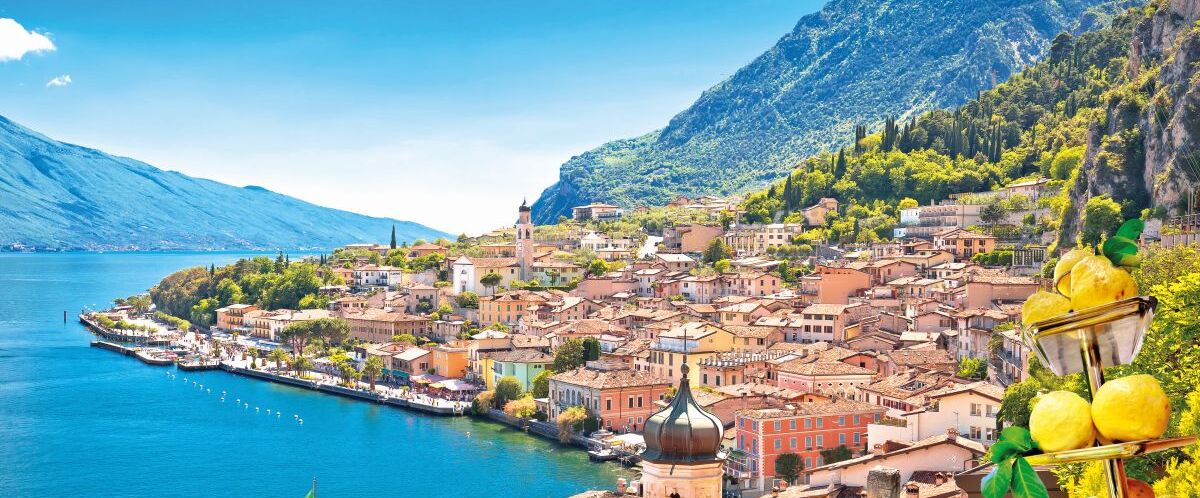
820	364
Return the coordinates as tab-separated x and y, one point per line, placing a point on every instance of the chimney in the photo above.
883	482
912	490
940	478
952	432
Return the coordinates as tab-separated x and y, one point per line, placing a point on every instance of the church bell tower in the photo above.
524	242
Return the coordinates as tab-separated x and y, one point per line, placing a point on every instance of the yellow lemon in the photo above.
1131	408
1095	281
1062	270
1060	421
1043	305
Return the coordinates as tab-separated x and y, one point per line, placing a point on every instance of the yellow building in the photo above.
697	341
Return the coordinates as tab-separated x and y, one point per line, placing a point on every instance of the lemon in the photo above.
1095	281
1043	305
1131	408
1062	270
1060	421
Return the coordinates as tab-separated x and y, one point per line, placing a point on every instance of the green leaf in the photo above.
1026	483
1131	229
997	483
1002	451
1018	437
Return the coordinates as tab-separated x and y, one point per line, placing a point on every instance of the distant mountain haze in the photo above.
60	196
854	62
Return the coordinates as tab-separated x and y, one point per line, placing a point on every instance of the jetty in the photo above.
433	406
149	356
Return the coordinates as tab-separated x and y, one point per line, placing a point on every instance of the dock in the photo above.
140	353
346	392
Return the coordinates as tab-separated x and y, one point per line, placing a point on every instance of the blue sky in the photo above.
442	112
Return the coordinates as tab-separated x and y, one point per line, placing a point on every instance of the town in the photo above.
821	360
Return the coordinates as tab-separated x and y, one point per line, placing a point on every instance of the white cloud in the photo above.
15	41
63	80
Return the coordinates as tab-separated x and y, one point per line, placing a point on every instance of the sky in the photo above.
443	112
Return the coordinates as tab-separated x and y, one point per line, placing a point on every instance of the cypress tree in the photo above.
840	168
393	235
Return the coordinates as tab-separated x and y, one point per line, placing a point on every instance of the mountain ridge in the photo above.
62	196
848	61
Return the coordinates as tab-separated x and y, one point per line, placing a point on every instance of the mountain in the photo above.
849	64
1109	120
60	196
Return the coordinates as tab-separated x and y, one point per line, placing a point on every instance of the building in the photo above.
451	360
522	364
803	429
947	452
675	261
268	324
596	211
378	325
689	239
814	215
753	240
832	378
828	322
232	318
925	221
467	273
524	242
508	308
964	243
696	340
970	408
620	397
682	443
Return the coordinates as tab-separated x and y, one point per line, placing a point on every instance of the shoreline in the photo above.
543	430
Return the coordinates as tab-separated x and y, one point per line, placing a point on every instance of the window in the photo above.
991	411
639	404
841	439
820	422
792	424
778	444
841	418
776	426
808	423
820	441
857	438
808	442
792	443
975	409
976	433
856	420
741	442
631	401
608	404
991	434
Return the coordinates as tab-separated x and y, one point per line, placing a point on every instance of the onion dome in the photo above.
682	432
524	205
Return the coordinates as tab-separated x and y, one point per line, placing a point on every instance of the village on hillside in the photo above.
822	360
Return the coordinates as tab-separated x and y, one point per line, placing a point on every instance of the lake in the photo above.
81	421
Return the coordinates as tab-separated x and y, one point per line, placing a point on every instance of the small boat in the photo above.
602	455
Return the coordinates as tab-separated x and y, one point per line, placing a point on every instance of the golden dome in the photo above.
683	431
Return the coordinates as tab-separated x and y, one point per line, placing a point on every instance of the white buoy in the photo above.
301	421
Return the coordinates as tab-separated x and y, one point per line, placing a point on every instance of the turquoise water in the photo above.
79	421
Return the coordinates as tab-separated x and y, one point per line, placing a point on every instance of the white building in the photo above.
947	452
969	409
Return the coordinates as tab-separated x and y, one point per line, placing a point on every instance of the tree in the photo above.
299	334
907	203
717	250
491	280
972	368
992	213
540	387
507	389
788	467
229	292
1101	216
591	349
569	421
405	338
483	402
722	266
277	355
393	246
1066	161
521	408
597	267
467	300
204	312
301	363
570	355
373	368
835	455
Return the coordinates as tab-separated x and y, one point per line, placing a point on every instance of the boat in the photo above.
154	356
602	455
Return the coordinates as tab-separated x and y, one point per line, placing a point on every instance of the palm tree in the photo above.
278	356
372	368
